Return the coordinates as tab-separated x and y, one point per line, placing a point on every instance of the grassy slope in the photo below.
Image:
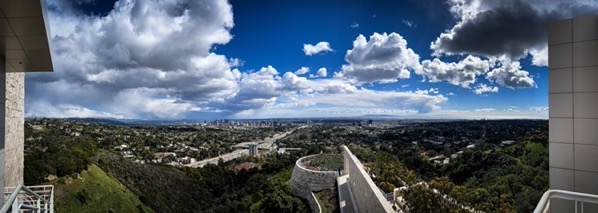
95	191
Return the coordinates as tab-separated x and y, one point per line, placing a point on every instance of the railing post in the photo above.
547	206
15	205
544	203
23	197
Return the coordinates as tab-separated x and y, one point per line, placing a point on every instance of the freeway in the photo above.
225	157
267	143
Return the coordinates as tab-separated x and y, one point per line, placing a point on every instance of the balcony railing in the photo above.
28	199
544	204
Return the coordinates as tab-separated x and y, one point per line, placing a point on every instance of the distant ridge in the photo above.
150	122
110	121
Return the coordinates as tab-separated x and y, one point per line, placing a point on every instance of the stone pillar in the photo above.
573	102
14	122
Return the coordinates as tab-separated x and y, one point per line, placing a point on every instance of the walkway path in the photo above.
345	197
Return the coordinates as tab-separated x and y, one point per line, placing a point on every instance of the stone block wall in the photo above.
14	129
365	192
304	181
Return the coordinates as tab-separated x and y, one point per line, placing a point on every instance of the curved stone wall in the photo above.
304	181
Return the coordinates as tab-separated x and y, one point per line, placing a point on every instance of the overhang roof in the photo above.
25	36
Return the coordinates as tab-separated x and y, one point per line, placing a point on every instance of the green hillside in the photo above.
95	191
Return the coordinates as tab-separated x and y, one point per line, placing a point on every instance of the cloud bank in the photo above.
155	59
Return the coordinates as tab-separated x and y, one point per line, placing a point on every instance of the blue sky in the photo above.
271	59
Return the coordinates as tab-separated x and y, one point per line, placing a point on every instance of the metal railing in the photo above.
28	199
544	203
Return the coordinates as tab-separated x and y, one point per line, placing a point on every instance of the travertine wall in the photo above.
14	129
304	181
2	126
365	192
573	102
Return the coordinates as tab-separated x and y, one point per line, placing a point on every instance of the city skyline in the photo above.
272	59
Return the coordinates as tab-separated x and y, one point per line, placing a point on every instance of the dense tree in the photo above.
277	196
490	177
422	199
58	155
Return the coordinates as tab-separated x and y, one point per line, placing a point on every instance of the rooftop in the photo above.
25	36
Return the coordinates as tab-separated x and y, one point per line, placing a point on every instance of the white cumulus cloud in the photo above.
156	52
509	74
322	72
321	46
302	71
483	88
539	56
462	73
383	58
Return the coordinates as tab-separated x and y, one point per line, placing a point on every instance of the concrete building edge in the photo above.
377	193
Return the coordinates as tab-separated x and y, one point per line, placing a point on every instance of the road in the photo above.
225	157
267	143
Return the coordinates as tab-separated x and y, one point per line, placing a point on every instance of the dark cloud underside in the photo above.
509	28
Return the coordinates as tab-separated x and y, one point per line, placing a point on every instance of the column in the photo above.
14	129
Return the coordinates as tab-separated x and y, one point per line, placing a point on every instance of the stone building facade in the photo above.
14	129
